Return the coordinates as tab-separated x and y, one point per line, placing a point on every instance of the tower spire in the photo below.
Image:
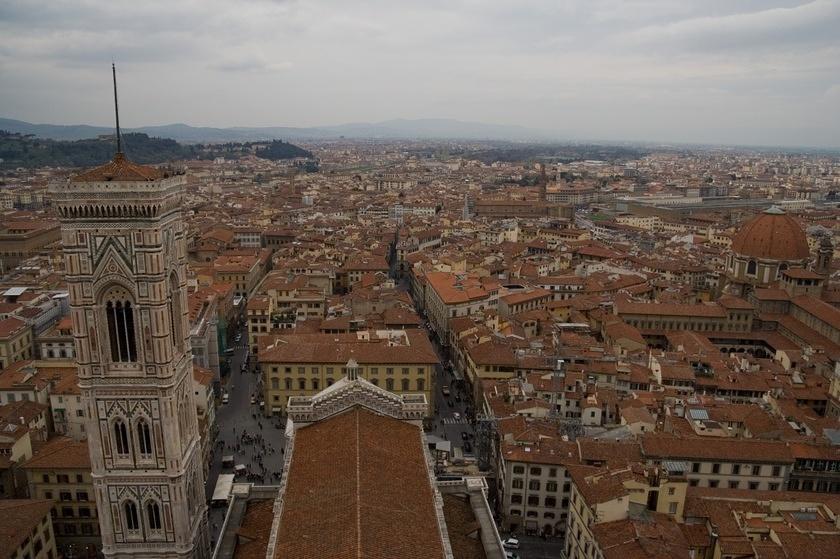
116	107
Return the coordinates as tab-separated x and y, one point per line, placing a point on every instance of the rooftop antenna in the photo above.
116	107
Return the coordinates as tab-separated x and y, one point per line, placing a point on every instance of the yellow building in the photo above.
60	471
243	272
15	341
601	496
401	361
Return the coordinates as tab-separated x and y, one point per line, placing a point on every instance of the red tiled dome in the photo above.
772	235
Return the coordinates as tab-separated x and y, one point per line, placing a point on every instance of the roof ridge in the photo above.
358	491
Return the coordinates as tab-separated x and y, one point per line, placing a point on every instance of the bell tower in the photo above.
125	266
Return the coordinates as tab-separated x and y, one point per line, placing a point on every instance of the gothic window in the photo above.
121	437
153	515
120	317
144	437
132	522
751	267
175	313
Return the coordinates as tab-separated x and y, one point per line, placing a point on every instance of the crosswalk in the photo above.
453	421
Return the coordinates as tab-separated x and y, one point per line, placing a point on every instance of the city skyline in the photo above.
747	73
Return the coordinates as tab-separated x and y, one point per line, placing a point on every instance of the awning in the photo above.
673	466
223	486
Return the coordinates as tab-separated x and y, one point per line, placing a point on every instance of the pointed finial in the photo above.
116	107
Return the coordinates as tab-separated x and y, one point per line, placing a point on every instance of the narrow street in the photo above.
239	417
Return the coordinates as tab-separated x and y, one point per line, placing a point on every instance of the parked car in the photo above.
511	555
456	415
511	543
225	398
445	390
457	397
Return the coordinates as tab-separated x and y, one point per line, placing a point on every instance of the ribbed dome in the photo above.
772	235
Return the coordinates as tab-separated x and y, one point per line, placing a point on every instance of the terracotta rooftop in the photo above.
340	348
254	533
120	169
20	517
655	537
358	486
60	453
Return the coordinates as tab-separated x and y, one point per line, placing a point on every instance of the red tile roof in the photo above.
119	169
359	486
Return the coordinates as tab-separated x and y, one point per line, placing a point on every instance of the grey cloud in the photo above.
636	69
816	22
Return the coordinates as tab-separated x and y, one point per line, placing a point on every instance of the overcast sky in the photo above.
720	71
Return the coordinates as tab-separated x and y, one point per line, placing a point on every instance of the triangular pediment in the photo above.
111	255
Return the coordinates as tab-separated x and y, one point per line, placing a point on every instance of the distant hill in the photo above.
279	149
18	150
439	128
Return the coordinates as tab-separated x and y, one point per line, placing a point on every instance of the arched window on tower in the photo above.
175	313
153	515
144	438
121	443
132	521
751	267
120	316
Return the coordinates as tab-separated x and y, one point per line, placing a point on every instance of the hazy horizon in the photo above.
754	72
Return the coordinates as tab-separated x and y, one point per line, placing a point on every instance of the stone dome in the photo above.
772	235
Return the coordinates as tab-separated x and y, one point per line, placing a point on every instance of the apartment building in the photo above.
243	272
523	300
534	482
609	500
247	237
60	471
24	238
15	341
26	529
68	408
729	314
57	342
204	329
355	267
449	295
400	361
727	463
297	298
260	310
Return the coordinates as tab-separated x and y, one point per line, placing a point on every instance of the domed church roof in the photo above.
772	235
